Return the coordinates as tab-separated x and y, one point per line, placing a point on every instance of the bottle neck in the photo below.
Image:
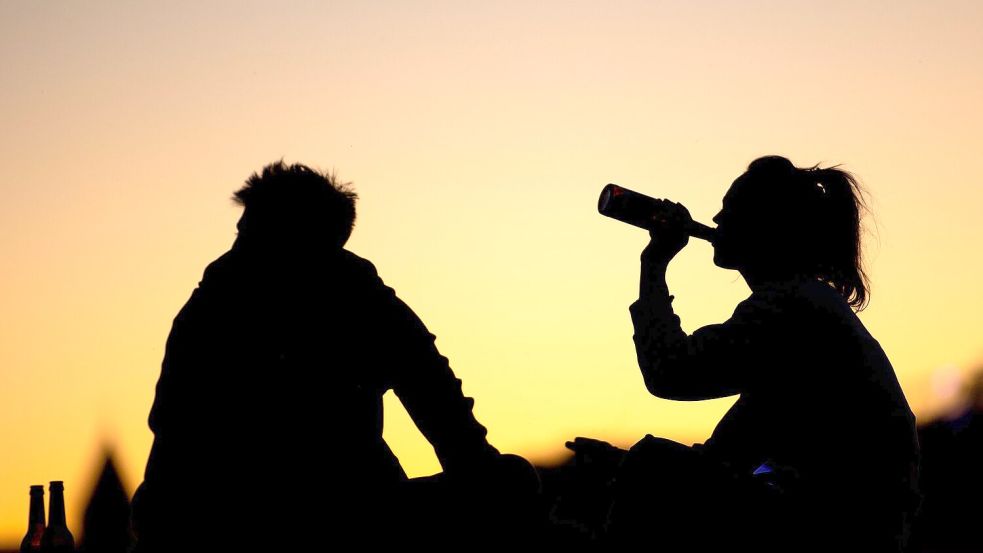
37	510
56	508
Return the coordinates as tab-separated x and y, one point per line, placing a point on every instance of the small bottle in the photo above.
640	210
57	538
35	522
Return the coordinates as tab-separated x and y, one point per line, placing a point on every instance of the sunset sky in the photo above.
477	135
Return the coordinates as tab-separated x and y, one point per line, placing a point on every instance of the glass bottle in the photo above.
35	522
640	210
57	538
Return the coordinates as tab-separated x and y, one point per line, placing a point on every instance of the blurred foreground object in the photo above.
106	527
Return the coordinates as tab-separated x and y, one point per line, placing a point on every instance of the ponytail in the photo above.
821	210
840	251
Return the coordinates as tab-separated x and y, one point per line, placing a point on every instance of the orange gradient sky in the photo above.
478	135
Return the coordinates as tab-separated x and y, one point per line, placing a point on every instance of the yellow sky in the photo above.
478	136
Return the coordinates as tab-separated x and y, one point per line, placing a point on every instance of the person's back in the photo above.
268	414
827	405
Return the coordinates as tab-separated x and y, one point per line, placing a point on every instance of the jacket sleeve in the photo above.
714	361
423	381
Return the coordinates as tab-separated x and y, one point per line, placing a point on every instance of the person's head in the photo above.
294	205
780	221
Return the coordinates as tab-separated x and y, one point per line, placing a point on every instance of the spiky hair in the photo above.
283	198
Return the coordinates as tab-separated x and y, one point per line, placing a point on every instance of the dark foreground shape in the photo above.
268	415
819	453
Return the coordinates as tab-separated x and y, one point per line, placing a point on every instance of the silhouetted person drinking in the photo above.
268	415
819	452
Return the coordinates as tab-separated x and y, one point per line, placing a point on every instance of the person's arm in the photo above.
158	500
715	361
190	351
433	397
423	381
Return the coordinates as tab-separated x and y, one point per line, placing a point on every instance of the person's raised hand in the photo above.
667	235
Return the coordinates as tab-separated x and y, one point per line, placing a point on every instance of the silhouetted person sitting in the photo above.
820	451
268	415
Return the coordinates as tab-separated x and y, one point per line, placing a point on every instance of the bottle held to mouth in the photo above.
642	211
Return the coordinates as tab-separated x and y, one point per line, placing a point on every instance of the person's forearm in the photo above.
657	330
654	299
444	415
680	366
433	397
652	282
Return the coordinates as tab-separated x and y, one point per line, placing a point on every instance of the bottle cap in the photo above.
57	485
37	488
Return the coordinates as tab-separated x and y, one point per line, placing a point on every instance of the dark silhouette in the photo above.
820	451
952	479
57	538
35	522
268	415
106	524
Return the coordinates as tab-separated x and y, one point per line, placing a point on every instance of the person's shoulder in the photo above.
355	266
360	277
820	297
216	274
820	306
773	296
805	292
792	298
223	265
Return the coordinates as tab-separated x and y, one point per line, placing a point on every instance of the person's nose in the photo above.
717	217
